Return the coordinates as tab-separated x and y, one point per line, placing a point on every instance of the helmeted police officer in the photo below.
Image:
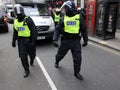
25	33
71	27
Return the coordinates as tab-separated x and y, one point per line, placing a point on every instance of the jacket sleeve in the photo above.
58	29
32	28
83	28
15	35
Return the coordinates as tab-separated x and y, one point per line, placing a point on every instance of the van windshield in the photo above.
37	10
31	11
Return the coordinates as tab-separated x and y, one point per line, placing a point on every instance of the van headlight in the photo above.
52	26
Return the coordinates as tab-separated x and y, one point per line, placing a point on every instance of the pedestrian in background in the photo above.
71	27
25	33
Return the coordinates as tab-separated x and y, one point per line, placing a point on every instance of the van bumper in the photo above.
45	35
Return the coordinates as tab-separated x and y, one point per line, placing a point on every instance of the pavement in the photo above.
111	43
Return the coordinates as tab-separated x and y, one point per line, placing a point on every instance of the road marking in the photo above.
51	83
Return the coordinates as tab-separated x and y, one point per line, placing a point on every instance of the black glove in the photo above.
13	44
84	44
32	43
55	44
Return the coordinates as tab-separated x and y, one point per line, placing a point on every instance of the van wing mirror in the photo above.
12	14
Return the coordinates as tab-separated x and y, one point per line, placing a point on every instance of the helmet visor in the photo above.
19	10
64	5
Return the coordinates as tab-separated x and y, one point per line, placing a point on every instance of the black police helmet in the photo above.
19	11
69	7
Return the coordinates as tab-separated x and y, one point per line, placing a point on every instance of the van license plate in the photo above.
41	37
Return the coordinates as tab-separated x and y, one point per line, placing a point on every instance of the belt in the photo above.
23	38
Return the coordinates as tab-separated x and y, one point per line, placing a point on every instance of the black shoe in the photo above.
56	64
31	62
26	74
79	76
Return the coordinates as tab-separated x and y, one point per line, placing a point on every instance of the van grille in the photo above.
42	28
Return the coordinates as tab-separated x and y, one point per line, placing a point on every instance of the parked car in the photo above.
3	22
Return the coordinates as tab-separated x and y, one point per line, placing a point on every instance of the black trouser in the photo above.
75	47
56	24
25	49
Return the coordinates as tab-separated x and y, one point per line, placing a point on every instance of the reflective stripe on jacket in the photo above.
22	28
72	24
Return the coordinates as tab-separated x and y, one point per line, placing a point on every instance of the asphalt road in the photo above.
100	68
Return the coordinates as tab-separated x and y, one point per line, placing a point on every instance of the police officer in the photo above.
25	33
71	27
56	15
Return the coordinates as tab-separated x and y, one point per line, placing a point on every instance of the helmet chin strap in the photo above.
70	13
20	18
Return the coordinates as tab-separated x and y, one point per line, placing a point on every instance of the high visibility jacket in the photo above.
72	24
57	18
22	28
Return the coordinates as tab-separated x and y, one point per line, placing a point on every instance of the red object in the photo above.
91	16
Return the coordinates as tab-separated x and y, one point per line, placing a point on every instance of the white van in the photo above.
43	20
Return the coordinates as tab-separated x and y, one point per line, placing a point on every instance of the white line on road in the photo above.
51	83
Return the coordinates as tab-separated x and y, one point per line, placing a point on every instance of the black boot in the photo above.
56	65
26	74
79	76
31	62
